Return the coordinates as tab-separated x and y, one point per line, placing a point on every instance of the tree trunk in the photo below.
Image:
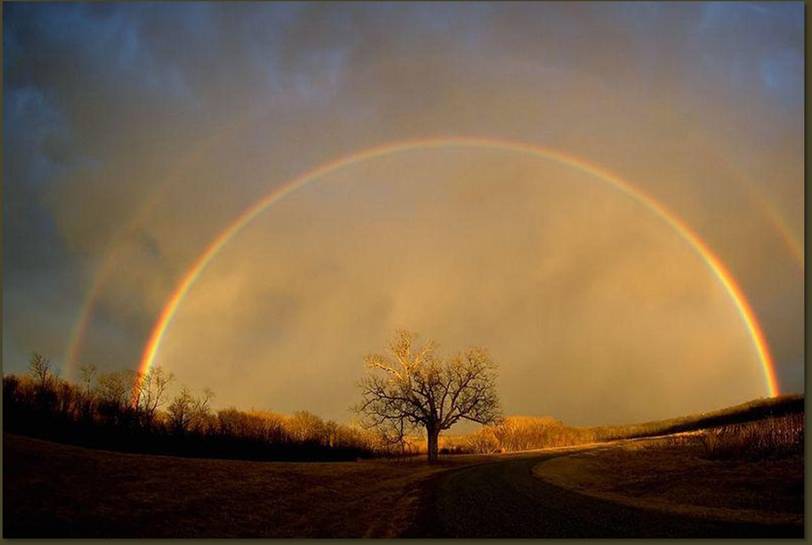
433	439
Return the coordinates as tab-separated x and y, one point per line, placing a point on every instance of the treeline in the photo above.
125	411
130	412
526	433
516	433
746	424
511	434
133	412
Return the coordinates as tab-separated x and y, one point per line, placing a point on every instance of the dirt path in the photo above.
503	499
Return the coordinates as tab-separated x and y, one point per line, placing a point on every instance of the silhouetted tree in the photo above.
122	411
114	388
180	411
201	411
41	369
186	409
415	387
149	391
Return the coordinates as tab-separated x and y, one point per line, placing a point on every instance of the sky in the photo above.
136	133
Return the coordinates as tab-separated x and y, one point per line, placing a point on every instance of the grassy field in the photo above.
740	470
54	490
683	476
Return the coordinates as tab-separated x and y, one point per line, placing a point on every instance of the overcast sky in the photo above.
135	133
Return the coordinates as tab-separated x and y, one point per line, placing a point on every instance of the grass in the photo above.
56	490
740	469
742	472
745	412
770	437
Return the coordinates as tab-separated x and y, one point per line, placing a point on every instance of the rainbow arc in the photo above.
712	261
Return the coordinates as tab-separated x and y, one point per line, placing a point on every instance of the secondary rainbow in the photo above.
107	268
711	260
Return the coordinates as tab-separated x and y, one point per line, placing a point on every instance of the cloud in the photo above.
127	153
582	294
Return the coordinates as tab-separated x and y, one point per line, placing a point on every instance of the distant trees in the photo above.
518	433
305	426
188	411
114	387
41	369
125	410
413	387
410	389
149	391
88	373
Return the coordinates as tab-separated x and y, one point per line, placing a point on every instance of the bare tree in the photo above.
149	391
186	409
200	406
41	369
180	410
88	374
115	387
393	433
306	426
414	387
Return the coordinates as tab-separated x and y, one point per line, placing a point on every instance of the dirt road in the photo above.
504	499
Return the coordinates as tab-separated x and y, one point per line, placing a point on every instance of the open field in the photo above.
55	490
740	478
678	477
506	500
645	487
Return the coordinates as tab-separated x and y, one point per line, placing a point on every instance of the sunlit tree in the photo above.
413	387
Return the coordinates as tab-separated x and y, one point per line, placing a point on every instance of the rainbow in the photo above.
712	261
794	244
108	266
79	330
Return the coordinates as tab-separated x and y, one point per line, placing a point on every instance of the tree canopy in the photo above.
413	387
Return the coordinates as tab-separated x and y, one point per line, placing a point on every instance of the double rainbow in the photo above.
711	260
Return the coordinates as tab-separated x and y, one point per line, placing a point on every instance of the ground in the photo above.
680	478
57	490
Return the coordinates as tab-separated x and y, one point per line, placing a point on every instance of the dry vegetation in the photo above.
744	412
770	437
742	472
69	491
124	411
130	412
55	490
759	425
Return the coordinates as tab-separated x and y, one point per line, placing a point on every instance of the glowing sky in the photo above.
135	133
